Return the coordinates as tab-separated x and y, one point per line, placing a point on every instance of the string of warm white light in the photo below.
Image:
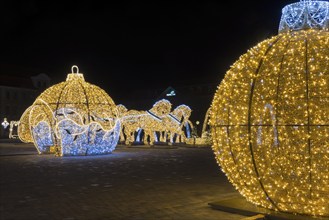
72	118
12	126
270	120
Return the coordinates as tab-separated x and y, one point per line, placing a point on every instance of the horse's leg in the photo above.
179	137
161	136
138	137
146	135
130	138
122	137
127	133
171	135
165	136
183	137
152	138
155	136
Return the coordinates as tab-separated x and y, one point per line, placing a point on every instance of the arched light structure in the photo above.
270	116
72	118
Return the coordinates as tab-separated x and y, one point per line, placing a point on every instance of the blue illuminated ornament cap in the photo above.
306	14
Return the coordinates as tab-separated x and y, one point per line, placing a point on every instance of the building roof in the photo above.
18	76
16	81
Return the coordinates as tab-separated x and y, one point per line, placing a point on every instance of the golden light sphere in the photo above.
270	123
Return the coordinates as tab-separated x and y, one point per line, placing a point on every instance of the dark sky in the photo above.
129	44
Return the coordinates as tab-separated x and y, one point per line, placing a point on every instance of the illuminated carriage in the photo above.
72	118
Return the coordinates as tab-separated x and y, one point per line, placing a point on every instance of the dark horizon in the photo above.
124	46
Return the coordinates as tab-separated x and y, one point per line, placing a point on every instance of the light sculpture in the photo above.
149	121
157	120
270	116
72	118
174	124
13	129
121	109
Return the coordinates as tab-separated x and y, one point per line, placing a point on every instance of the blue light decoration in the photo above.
72	118
42	137
305	14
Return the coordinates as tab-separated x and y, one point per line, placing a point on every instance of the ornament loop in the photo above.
76	67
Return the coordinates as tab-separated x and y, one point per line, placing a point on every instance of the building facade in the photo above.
17	93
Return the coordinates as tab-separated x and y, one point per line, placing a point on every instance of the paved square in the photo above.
130	183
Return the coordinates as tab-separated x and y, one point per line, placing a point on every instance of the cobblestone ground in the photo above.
131	183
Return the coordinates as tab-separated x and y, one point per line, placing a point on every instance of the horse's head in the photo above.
121	109
161	108
182	111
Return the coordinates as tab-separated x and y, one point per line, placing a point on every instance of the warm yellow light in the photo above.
270	123
158	124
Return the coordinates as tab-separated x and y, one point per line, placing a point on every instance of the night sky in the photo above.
132	44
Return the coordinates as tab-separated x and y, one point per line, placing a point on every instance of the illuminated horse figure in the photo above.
174	123
130	125
149	121
122	110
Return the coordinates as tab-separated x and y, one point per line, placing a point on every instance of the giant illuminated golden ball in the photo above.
73	117
270	123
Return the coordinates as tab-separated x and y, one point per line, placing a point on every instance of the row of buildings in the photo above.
18	92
